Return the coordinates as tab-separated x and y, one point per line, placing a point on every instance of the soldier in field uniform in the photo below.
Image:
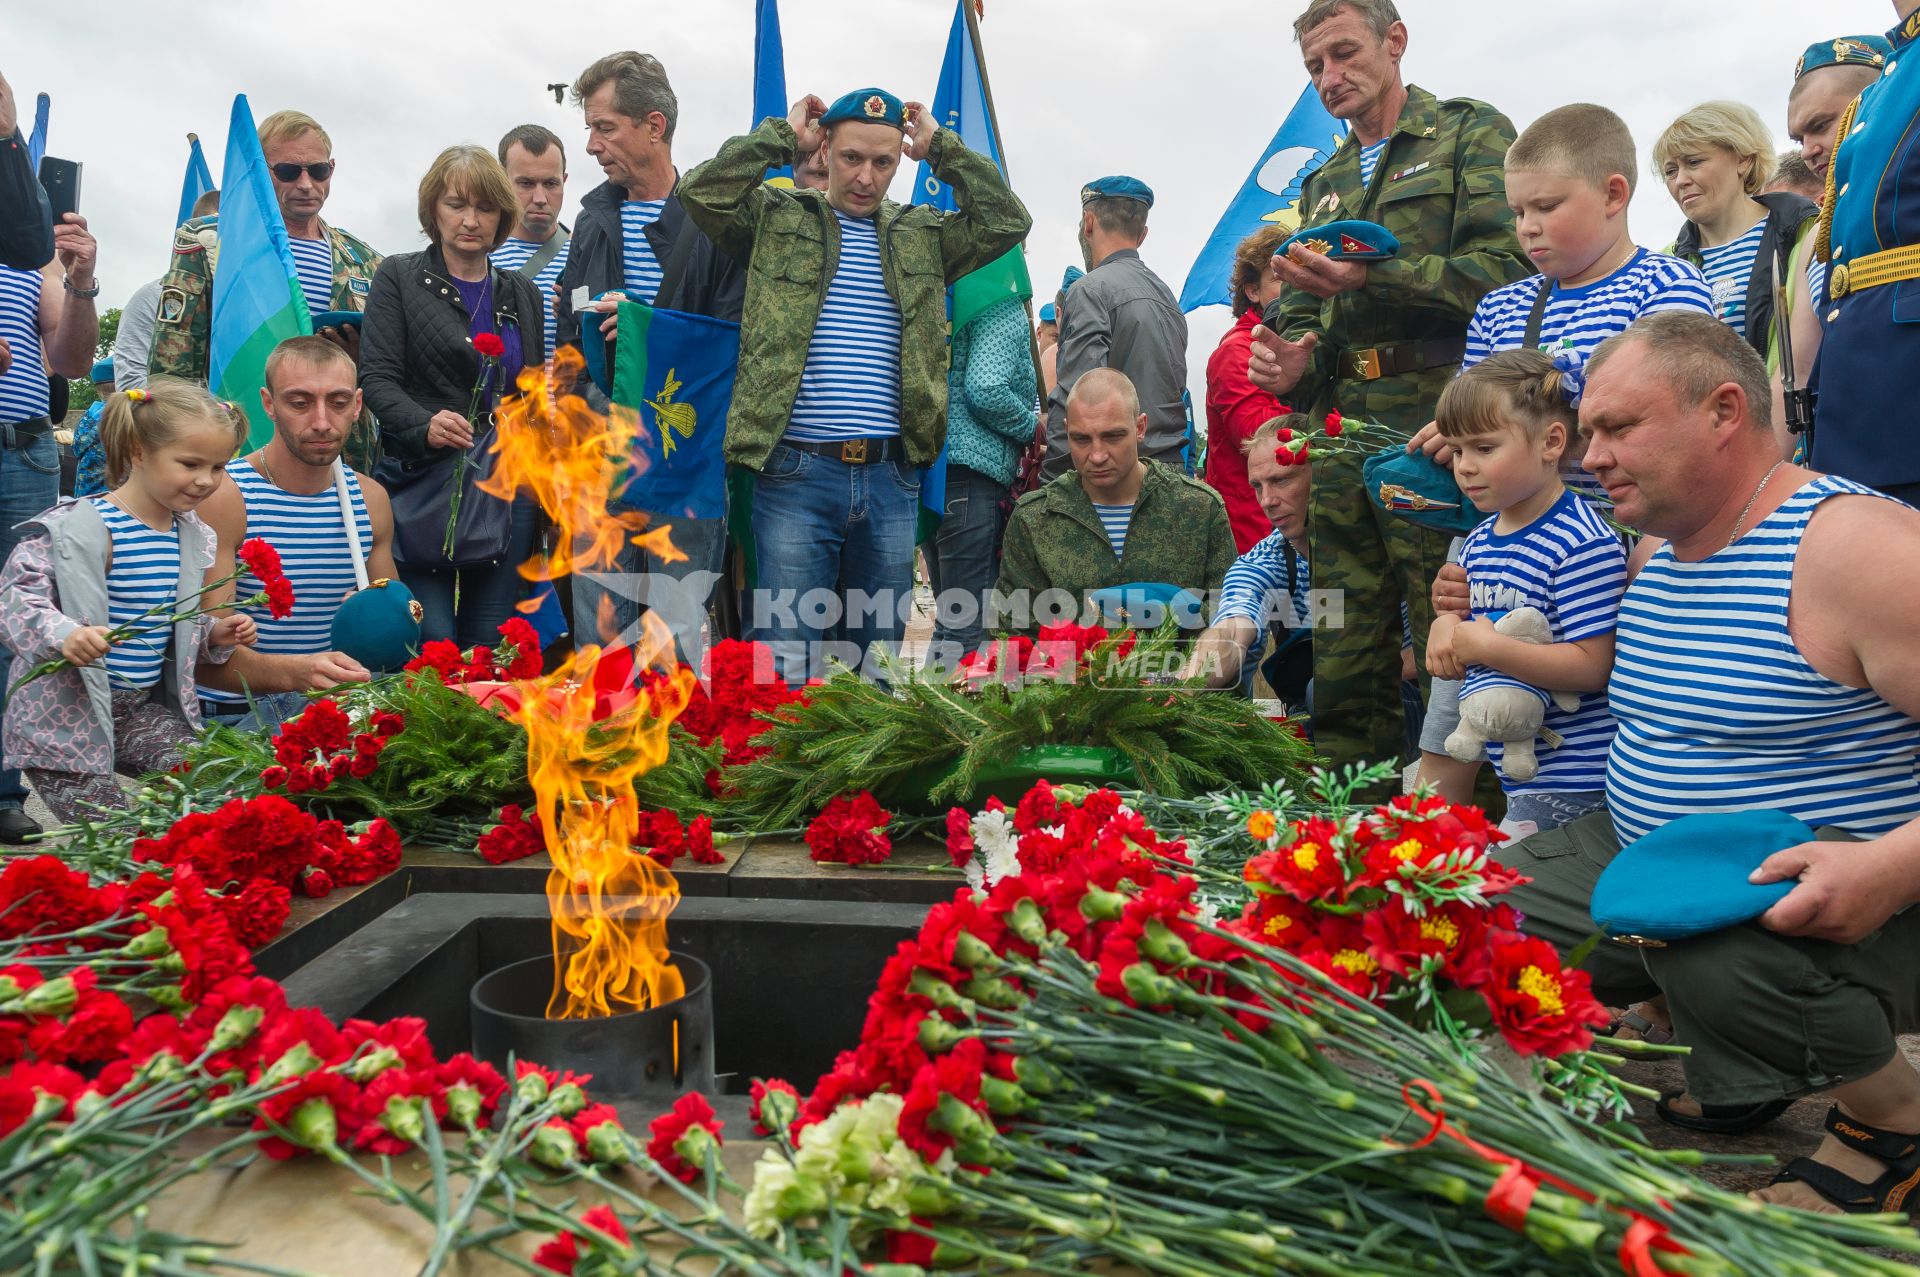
335	269
1379	341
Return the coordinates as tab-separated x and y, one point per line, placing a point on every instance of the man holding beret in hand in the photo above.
841	394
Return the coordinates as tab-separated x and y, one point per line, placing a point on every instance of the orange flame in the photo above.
609	904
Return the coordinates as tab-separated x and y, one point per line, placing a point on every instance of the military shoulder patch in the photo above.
185	247
173	304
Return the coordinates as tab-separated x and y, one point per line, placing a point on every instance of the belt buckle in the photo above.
1837	281
1366	363
853	452
1639	942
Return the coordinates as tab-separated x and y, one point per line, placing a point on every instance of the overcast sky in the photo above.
1182	95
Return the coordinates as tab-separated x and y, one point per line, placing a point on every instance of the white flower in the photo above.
976	874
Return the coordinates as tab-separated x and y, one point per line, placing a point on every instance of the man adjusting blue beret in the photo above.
868	106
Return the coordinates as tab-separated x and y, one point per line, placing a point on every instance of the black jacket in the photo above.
26	219
1787	213
415	358
712	283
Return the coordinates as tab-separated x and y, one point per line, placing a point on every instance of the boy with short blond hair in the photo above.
1570	179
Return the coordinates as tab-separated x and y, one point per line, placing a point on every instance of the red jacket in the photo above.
1235	409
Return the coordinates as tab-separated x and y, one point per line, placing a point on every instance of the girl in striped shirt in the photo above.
100	562
1510	422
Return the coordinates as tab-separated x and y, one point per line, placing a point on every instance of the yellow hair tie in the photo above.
137	395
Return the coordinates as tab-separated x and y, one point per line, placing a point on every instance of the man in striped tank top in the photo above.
48	323
284	492
1764	660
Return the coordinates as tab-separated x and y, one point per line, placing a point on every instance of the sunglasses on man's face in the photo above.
291	172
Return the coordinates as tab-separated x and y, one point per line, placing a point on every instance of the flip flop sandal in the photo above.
1651	1033
1890	1192
1720	1119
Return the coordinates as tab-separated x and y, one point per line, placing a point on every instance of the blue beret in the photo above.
1419	490
1346	241
868	106
1073	273
1144	605
379	626
1046	313
1848	51
1689	876
102	371
1117	188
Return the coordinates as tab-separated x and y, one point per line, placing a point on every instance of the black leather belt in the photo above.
854	452
21	433
1403	357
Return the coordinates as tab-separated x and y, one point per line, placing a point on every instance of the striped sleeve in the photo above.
1253	580
1587	587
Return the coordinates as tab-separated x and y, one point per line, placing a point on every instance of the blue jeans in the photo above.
819	523
963	559
641	581
29	484
469	605
269	710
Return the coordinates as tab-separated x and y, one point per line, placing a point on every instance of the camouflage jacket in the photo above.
183	329
1178	534
1440	187
790	241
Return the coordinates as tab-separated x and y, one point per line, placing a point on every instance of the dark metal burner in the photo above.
630	1055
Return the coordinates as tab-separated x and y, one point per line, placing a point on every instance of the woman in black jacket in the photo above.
418	369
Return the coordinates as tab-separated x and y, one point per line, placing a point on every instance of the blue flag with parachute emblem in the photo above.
1271	194
676	371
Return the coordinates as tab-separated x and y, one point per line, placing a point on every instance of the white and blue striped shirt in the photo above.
1728	269
1571	566
1581	318
1719	711
515	253
23	387
640	271
850	388
1370	160
313	261
312	542
1115	518
144	576
1257	586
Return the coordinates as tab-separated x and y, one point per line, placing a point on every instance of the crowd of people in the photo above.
1651	550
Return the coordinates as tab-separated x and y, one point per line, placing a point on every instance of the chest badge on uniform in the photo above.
357	285
1429	131
173	304
1421	167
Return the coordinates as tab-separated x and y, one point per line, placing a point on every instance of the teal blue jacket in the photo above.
992	390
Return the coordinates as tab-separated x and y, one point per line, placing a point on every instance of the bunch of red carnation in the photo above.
1050	826
515	658
662	836
1395	902
268	839
275	590
850	831
65	1020
737	699
515	836
321	746
1066	652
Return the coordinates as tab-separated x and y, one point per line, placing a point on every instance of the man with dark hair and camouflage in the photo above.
1378	341
335	269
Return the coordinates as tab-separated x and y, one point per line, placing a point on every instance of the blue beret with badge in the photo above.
1145	605
1689	876
1349	241
867	106
1117	188
1847	51
379	626
1419	490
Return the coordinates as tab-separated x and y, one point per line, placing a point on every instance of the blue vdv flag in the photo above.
960	105
676	371
1271	193
197	182
37	139
769	74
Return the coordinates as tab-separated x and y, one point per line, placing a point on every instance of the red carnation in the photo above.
1335	424
850	831
490	346
599	1225
522	642
263	561
700	842
516	837
673	1139
780	1111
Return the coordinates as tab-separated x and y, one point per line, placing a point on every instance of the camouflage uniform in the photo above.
1385	353
1178	534
183	330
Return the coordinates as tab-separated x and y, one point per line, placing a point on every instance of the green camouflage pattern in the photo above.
183	329
1178	534
790	241
1440	187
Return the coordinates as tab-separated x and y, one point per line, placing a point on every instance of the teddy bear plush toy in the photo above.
1514	716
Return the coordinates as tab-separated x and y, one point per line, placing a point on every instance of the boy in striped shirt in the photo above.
1570	179
1544	548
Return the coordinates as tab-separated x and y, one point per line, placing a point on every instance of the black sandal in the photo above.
1900	1153
1720	1119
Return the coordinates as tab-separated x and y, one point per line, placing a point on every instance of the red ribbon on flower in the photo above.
1512	1194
